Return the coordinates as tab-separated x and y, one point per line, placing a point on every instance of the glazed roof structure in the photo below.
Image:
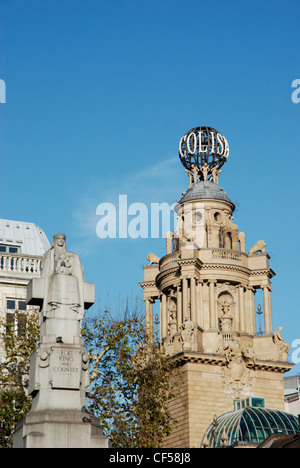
250	425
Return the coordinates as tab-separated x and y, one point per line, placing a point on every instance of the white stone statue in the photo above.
59	367
63	273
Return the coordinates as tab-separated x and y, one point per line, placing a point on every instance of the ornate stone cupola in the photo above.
206	285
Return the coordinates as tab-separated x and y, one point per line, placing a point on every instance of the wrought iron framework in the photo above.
202	145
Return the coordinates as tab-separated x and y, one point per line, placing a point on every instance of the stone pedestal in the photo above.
59	368
59	429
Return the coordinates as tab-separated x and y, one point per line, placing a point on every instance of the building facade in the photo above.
292	394
206	285
22	246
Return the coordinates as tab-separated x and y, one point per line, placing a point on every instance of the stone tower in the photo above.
206	285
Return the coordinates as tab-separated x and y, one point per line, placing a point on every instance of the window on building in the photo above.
15	323
11	304
21	323
21	305
15	305
254	402
258	402
9	248
15	316
10	322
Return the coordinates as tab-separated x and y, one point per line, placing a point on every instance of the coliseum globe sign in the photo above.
202	145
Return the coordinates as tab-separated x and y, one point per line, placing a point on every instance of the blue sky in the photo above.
98	95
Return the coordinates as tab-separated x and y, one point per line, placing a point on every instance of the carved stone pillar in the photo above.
267	310
212	305
250	311
185	309
163	316
149	317
179	307
193	300
242	309
199	305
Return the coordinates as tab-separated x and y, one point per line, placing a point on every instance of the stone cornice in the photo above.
220	360
147	284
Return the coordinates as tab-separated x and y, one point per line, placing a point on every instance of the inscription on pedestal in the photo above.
66	368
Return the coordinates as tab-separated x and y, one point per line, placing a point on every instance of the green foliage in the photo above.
130	382
14	371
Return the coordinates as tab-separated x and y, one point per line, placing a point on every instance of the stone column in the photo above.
179	307
185	310
163	316
242	309
199	303
212	305
267	310
250	311
149	317
193	300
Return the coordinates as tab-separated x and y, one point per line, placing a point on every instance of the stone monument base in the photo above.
59	429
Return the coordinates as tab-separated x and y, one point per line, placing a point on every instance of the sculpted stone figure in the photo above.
63	274
215	174
195	172
258	247
237	376
152	259
190	174
188	335
205	170
172	307
283	345
226	318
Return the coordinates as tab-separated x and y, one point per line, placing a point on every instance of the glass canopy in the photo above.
250	425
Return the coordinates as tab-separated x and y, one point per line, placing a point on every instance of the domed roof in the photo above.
204	190
29	238
251	425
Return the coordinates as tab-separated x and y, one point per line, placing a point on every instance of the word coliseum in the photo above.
202	142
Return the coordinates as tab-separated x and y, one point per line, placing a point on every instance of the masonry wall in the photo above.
202	395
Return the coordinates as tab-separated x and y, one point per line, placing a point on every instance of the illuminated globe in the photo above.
203	146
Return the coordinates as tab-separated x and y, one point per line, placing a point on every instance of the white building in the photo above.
22	246
292	394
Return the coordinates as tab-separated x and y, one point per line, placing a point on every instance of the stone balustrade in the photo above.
18	265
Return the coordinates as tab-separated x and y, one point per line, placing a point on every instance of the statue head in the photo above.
59	240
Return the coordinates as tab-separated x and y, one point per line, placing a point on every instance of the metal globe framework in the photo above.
203	145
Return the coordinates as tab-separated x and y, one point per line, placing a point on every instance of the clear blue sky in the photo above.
98	95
